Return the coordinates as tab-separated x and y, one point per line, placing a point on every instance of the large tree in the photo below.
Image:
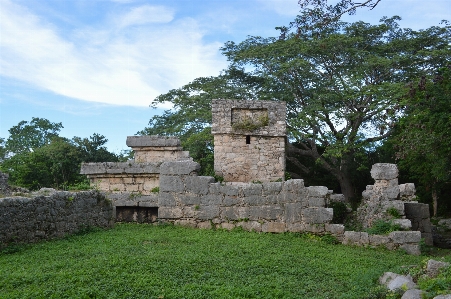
422	138
343	83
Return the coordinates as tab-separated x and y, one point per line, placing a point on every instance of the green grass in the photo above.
146	261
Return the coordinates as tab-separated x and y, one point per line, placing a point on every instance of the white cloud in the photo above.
126	66
146	14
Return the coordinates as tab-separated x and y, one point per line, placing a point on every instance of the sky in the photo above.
96	65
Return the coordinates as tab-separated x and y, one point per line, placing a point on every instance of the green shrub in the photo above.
393	212
382	227
155	190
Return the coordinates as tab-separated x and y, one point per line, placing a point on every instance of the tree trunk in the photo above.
347	188
434	201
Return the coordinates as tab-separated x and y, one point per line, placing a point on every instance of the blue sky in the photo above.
96	65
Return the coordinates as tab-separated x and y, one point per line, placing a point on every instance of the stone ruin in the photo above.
249	140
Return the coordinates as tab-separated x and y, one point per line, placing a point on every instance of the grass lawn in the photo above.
147	261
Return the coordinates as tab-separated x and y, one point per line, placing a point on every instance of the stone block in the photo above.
227	226
335	229
231	201
198	184
314	228
189	199
252	190
316	202
434	267
211	199
355	238
405	224
317	215
204	225
401	237
250	225
186	223
179	168
171	184
152	141
265	212
293	212
273	227
384	171
295	186
407	190
378	240
317	191
413	249
208	212
254	200
170	213
415	210
272	188
295	227
413	294
337	198
390	192
166	199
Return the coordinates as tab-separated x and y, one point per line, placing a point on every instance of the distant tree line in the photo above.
35	156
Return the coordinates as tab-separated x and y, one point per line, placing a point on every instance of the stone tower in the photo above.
249	140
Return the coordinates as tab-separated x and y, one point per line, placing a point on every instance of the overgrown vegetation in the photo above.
147	261
382	227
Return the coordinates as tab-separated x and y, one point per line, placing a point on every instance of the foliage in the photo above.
155	190
202	264
393	212
382	227
35	156
27	136
340	211
423	142
343	83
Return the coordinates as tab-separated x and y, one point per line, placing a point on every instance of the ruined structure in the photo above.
249	138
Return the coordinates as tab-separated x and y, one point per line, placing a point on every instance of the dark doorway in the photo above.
137	214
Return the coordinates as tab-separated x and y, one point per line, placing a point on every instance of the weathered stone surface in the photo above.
179	168
317	215
227	226
413	294
317	191
166	199
207	212
403	237
250	225
252	189
318	202
405	224
314	228
413	249
443	297
378	240
204	225
187	223
384	171
171	184
47	217
170	212
273	227
434	267
296	186
355	238
199	185
335	229
293	212
153	140
395	281
272	188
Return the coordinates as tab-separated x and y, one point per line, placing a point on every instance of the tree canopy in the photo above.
35	156
344	84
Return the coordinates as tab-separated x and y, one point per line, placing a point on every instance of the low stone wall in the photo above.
198	201
406	240
24	220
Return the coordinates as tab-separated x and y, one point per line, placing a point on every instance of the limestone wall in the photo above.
198	201
249	138
24	219
156	149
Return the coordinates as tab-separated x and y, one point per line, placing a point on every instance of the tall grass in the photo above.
147	261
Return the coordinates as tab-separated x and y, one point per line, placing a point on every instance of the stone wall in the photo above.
249	138
4	188
198	201
156	149
24	219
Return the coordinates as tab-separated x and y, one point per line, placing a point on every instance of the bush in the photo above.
382	227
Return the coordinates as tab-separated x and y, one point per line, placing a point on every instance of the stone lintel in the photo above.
152	141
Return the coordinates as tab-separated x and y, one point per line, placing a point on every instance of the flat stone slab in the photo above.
152	140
